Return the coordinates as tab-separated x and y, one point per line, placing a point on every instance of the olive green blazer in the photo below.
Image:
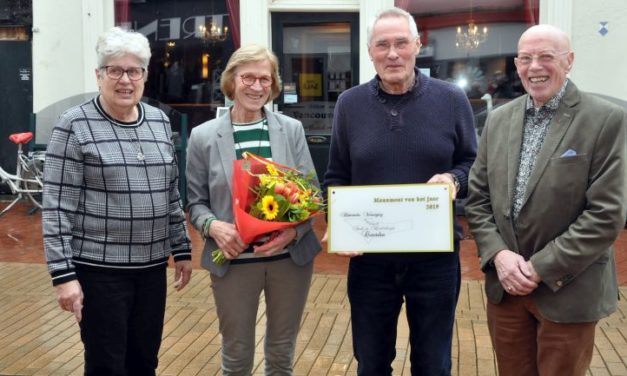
573	209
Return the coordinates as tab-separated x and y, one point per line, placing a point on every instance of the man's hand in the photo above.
182	274
530	272
276	243
70	298
445	178
511	268
325	238
226	236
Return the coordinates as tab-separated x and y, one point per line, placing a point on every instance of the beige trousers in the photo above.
237	295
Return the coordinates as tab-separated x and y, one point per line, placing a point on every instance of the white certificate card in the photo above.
390	218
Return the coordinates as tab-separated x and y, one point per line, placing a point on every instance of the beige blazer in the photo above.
210	156
573	208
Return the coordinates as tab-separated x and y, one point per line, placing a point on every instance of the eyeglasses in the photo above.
115	72
543	58
399	45
249	80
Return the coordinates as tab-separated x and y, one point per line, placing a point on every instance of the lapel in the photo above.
278	143
226	147
557	128
513	151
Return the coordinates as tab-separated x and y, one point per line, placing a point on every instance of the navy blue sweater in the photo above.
385	139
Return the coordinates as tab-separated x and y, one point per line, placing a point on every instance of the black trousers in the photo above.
376	291
122	320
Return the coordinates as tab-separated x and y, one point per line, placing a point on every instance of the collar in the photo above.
419	84
100	109
551	104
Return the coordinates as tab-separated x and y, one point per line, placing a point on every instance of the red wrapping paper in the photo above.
244	181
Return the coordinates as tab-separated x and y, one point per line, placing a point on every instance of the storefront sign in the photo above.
310	84
176	28
317	117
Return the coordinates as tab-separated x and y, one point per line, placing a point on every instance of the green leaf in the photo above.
284	205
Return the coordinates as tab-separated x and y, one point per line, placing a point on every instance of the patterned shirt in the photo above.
536	125
111	198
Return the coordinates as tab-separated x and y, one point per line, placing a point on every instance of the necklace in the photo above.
133	140
240	136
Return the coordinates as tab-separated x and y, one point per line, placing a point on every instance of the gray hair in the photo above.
392	12
117	42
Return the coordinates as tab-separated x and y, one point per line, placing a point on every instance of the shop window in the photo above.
318	59
16	18
472	43
191	42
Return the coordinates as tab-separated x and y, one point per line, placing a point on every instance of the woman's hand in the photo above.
226	236
276	243
70	298
182	274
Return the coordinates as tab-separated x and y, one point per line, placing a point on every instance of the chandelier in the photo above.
213	33
472	37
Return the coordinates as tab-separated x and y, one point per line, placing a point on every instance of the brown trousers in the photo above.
527	344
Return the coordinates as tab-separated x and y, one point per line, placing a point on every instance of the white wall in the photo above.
600	61
599	65
64	40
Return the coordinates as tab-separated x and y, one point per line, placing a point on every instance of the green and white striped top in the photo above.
253	138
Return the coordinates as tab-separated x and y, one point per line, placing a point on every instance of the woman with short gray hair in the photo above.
112	216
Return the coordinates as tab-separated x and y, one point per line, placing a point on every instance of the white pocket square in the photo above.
568	153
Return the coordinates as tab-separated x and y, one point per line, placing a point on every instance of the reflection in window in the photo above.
16	19
484	66
191	41
316	62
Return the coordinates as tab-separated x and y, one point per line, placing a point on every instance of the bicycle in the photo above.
27	182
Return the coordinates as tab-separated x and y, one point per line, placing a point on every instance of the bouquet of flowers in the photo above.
268	197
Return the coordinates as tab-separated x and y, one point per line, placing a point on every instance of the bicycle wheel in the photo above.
34	177
35	198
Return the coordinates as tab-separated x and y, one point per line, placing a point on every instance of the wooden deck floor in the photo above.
37	338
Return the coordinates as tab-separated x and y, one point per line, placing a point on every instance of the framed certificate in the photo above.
390	218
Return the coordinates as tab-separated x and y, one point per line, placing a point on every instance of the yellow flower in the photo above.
272	170
303	197
269	207
264	180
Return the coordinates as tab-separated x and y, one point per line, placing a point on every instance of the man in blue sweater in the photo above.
402	127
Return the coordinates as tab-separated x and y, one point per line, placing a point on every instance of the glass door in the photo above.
318	58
